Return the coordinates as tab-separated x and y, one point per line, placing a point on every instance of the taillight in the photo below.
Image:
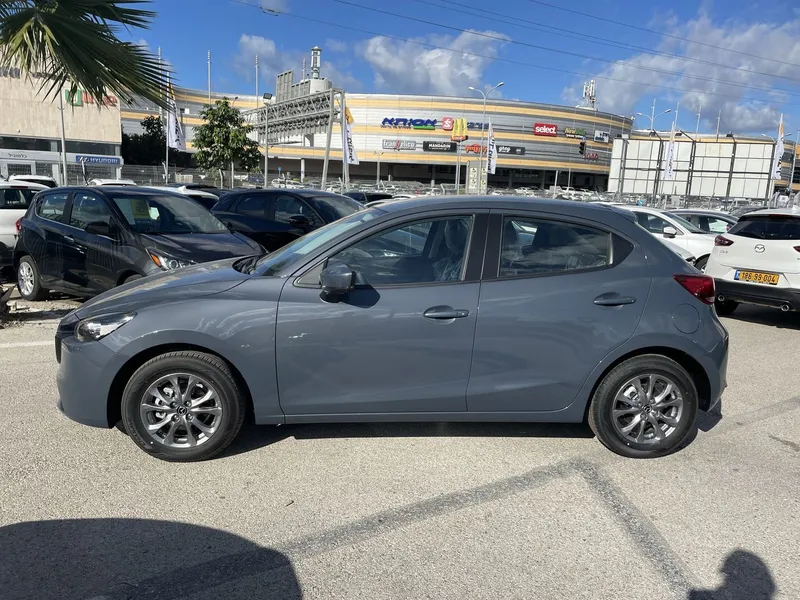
797	248
18	224
722	241
700	286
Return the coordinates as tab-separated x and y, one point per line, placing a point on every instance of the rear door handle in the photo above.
71	241
613	299
445	312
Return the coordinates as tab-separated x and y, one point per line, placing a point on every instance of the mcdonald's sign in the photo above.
459	131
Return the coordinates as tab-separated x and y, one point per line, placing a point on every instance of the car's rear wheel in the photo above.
183	406
29	281
644	407
725	307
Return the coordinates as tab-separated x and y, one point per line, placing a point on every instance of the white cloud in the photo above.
406	67
276	5
272	61
338	46
742	109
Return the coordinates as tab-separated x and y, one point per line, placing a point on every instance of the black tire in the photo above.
210	368
726	307
130	278
37	292
700	264
601	418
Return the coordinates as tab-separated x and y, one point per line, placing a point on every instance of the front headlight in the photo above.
96	328
167	262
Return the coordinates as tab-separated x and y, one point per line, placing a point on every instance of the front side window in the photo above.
429	251
536	247
653	223
713	225
51	207
88	208
287	207
254	206
166	214
334	207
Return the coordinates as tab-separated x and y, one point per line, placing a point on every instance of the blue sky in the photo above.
509	42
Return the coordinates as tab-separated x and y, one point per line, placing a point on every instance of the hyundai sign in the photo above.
98	160
547	129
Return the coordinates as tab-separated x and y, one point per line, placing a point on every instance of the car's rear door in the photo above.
401	341
248	214
558	295
44	237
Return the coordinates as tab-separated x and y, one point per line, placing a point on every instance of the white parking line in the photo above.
25	344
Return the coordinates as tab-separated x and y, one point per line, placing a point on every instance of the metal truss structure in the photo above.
302	116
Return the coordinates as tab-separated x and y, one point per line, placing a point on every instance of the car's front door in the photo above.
293	217
401	341
561	295
95	244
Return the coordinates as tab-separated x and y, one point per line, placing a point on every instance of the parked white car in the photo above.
44	180
679	231
118	182
206	199
15	196
758	261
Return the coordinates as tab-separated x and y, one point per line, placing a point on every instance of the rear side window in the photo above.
768	227
15	199
51	207
538	247
255	206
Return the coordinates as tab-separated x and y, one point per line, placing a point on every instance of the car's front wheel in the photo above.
29	280
644	407
183	406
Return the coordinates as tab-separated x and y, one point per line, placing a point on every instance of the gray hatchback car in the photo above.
463	309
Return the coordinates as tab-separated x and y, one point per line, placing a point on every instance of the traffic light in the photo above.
582	147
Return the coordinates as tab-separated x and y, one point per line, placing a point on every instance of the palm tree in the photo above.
74	43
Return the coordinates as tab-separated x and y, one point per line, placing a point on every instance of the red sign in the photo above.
545	129
591	156
447	123
475	148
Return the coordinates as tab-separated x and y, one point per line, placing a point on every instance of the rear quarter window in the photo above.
51	207
15	199
768	227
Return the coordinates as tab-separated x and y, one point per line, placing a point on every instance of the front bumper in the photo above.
752	293
86	371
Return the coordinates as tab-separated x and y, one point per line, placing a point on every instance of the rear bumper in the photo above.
765	295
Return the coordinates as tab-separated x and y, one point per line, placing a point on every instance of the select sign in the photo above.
518	150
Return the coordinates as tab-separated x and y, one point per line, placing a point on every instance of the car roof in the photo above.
649	209
16	184
124	189
502	202
791	211
703	212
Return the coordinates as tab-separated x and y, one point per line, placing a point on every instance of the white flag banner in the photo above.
669	164
175	136
491	152
348	148
776	162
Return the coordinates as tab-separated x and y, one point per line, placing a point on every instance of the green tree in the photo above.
74	43
222	140
149	147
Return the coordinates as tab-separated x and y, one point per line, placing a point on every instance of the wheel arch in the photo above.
113	402
694	368
123	275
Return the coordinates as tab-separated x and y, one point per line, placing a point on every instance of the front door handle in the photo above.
69	239
613	299
445	313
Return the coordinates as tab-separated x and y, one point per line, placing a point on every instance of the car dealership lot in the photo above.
419	510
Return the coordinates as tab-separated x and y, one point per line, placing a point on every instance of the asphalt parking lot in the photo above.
406	511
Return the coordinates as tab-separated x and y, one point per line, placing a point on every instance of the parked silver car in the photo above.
466	309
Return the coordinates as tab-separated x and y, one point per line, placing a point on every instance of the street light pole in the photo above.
233	105
267	98
378	173
794	161
63	139
653	117
483	125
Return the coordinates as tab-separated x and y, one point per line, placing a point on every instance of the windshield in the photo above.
166	214
686	225
768	227
336	207
282	257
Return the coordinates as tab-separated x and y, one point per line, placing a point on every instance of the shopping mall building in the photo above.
408	137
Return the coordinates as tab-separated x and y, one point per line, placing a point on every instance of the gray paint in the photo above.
540	343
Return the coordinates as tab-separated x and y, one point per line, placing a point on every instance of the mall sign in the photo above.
548	129
399	145
400	123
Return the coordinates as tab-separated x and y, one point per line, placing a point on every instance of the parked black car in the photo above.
86	240
275	217
364	197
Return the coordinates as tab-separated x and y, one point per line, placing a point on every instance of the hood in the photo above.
201	247
187	283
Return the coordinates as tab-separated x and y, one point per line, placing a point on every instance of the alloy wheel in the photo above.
25	278
647	409
181	410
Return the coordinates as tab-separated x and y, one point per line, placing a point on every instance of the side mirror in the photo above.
299	221
100	228
669	231
337	279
